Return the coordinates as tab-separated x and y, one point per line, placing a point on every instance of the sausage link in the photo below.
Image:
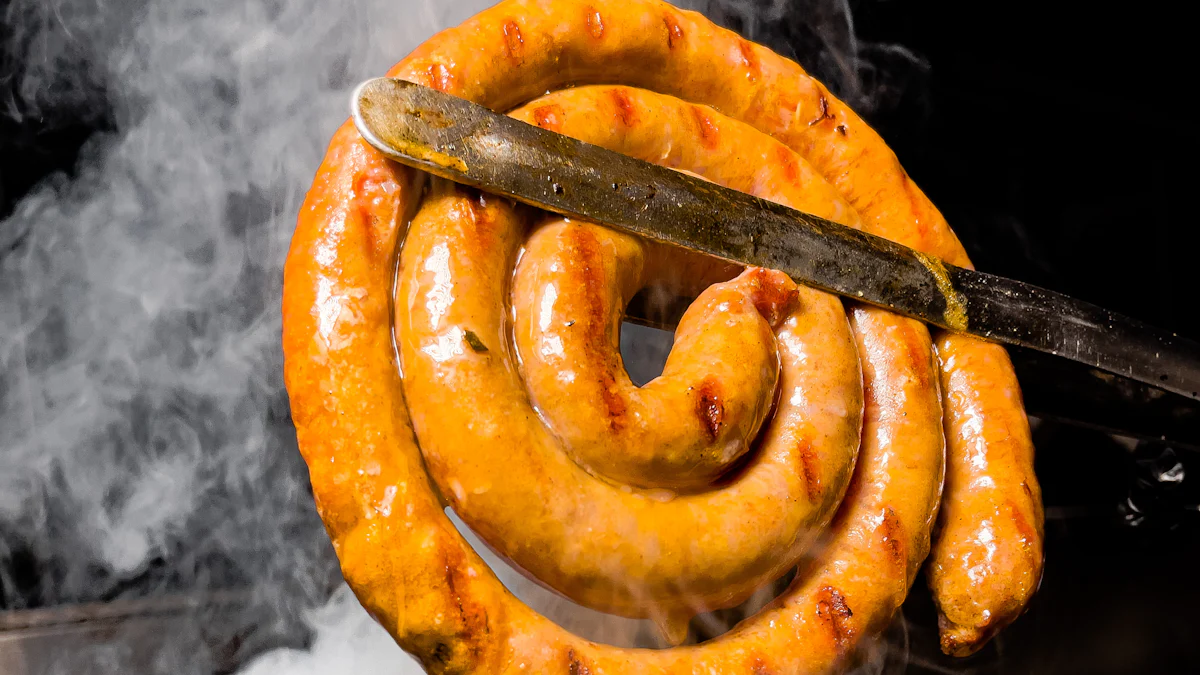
408	565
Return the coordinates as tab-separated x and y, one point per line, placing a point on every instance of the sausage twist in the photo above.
491	380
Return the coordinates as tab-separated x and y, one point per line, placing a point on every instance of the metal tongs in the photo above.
1076	362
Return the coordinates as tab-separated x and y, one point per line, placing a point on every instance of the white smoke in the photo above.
821	35
145	443
348	641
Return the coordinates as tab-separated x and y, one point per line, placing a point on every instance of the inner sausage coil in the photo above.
447	347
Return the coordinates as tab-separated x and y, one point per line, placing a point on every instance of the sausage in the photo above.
398	551
996	499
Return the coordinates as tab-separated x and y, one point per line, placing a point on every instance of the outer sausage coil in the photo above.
785	430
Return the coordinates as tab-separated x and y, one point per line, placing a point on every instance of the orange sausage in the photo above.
399	553
989	560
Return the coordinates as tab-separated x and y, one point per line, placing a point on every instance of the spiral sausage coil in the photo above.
447	347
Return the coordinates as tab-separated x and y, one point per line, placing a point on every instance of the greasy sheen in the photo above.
471	424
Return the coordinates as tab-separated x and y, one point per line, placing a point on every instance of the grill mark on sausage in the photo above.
371	190
1028	534
892	536
613	401
674	31
514	43
773	297
595	22
586	253
918	355
787	160
709	407
749	60
576	665
483	221
915	199
833	611
549	116
709	133
811	468
626	112
473	619
438	76
823	111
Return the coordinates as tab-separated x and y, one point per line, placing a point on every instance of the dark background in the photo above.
1057	144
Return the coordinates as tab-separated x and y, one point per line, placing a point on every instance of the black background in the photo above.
1058	142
